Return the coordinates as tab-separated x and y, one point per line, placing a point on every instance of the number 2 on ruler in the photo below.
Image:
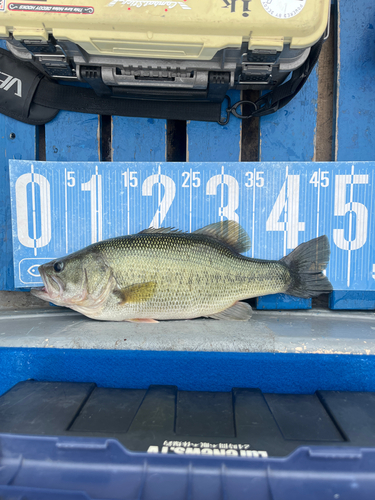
169	194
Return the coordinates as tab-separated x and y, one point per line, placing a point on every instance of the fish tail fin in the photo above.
305	264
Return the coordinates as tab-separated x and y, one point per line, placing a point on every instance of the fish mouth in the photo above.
41	293
52	289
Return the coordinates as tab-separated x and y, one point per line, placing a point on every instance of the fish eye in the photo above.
58	267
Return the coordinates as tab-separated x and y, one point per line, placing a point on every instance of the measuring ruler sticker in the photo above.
61	207
28	270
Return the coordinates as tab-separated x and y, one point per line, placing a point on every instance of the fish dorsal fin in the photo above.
160	230
140	292
228	232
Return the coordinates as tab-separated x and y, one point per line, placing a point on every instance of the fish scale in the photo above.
165	274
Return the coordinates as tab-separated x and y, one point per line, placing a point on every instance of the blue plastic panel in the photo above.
283	373
36	468
282	301
343	299
58	208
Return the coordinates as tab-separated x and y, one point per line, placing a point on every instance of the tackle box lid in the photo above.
190	29
161	443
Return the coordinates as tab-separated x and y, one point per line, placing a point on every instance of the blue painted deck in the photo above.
73	137
212	142
17	140
138	139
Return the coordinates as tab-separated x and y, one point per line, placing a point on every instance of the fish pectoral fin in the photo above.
140	292
142	320
240	311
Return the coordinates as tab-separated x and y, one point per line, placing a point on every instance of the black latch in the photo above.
218	85
93	76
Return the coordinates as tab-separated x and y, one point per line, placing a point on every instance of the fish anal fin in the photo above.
142	320
228	232
240	311
140	292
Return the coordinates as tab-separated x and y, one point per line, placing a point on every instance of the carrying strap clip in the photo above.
233	109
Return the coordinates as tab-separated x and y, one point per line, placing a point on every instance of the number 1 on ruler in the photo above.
94	185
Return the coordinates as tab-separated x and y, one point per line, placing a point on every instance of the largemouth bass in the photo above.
167	274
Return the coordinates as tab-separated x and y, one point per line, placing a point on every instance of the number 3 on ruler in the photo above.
228	211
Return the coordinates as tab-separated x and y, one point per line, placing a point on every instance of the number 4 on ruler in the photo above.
287	201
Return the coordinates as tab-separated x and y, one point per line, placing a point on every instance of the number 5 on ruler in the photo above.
353	207
342	208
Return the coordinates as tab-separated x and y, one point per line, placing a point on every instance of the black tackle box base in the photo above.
163	419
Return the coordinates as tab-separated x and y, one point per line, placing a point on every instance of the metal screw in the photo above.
12	135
